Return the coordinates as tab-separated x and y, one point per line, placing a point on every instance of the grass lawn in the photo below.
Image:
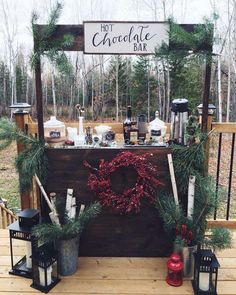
9	177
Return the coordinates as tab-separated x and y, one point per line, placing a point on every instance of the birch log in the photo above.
53	199
44	193
73	208
81	210
172	177
70	203
191	189
54	218
69	200
53	215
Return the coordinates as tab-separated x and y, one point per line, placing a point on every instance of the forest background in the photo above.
105	84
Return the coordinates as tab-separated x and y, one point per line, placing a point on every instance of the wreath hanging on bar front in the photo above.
99	181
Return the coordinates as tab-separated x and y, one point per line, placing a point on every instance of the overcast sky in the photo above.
76	11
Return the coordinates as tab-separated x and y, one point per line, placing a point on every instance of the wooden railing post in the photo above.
22	118
207	146
208	128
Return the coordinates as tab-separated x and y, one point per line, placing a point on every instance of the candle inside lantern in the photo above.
204	279
42	281
28	255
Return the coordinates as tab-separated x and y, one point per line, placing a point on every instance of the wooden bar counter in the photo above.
112	234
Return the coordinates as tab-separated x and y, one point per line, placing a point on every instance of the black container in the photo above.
28	217
142	127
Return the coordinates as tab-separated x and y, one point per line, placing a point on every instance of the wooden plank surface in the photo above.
112	275
111	234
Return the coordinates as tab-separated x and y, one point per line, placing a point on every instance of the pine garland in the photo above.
45	45
190	161
47	232
32	160
184	41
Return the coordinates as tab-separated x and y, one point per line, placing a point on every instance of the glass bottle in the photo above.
142	128
127	124
157	129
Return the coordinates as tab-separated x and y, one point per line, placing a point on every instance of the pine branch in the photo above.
70	229
47	46
219	239
32	160
171	214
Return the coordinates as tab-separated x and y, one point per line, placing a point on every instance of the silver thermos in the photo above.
179	117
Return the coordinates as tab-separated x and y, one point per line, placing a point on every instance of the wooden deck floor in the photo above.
137	276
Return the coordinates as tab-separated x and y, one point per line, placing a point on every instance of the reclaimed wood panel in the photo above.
111	234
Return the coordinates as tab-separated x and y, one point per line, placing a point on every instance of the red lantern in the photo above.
175	267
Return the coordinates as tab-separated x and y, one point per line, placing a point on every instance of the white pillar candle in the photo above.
28	254
204	281
42	276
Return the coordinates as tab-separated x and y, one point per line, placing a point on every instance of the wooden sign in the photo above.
124	37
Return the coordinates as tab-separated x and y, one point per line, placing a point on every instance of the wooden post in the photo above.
205	124
22	118
206	93
39	94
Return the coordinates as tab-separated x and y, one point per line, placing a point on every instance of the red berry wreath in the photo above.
99	181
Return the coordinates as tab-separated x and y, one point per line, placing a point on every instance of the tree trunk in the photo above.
229	69
219	89
92	82
159	100
117	89
168	93
71	102
148	93
54	93
228	91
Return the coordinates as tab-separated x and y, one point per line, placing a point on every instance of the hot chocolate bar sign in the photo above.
124	37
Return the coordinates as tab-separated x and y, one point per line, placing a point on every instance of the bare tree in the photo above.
117	88
10	32
53	90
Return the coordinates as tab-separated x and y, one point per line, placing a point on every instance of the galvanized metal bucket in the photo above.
188	260
68	256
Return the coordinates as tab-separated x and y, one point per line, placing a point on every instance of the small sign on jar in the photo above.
55	134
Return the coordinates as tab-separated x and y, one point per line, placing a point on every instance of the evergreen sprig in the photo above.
48	232
184	41
32	160
218	239
45	45
8	133
190	161
171	214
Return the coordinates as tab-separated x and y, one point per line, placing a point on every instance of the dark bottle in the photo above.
88	137
142	128
127	126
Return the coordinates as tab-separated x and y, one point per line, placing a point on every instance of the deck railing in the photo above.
6	217
228	131
221	129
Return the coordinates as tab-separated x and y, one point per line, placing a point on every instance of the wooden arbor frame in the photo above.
77	31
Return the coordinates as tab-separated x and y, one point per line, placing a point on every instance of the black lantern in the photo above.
211	109
21	230
44	267
20	107
205	273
